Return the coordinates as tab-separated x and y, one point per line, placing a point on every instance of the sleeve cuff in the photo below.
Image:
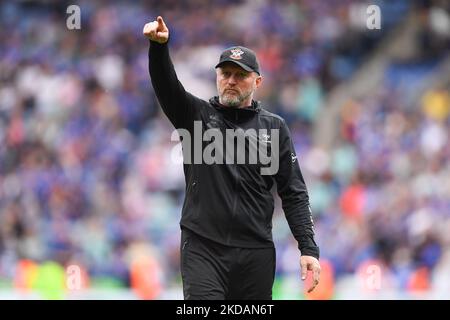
310	251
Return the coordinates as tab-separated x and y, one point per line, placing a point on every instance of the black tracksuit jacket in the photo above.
232	204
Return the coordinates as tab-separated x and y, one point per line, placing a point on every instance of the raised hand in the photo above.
156	30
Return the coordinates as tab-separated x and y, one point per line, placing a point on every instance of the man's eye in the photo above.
226	74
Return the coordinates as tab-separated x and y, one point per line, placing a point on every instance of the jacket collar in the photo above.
254	108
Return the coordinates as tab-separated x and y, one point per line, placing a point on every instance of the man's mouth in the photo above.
232	90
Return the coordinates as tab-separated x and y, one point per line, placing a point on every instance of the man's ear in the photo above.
258	82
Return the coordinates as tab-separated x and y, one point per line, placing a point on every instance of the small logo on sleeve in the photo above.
293	157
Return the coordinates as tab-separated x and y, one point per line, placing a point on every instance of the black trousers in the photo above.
211	271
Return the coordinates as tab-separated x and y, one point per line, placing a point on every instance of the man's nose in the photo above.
232	80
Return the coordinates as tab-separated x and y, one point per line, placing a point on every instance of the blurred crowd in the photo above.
88	175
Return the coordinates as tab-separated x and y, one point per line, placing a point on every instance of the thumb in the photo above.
304	268
161	24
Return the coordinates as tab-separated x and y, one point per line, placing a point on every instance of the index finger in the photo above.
161	21
304	269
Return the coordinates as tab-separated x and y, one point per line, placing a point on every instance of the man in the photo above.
227	251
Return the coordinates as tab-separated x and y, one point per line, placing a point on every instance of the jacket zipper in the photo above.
235	198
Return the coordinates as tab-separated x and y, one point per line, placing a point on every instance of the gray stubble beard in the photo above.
234	101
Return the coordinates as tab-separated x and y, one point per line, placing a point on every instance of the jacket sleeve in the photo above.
178	105
294	195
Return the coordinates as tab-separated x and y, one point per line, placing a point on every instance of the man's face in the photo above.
236	85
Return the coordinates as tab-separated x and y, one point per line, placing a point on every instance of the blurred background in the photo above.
90	196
